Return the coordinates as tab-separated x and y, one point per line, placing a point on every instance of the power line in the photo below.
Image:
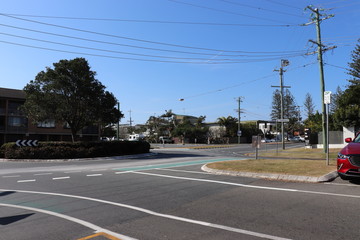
260	8
225	11
284	5
129	38
139	59
148	21
243	83
133	39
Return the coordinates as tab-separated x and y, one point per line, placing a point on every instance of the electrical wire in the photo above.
228	12
148	21
121	52
134	39
284	5
243	83
260	8
140	59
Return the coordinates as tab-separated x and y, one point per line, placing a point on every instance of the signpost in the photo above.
26	143
327	101
256	143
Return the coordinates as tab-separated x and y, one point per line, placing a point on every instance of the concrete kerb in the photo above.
283	177
80	159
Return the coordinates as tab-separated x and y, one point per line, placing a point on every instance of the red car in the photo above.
348	160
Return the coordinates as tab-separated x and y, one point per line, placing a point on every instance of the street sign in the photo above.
239	133
26	143
282	120
327	97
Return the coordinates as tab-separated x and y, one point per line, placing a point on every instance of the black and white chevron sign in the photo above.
26	143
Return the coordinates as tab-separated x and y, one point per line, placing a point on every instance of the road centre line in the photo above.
29	180
61	178
251	186
95	170
11	176
150	212
94	175
73	172
94	227
41	174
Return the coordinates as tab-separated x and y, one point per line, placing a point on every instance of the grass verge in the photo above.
302	162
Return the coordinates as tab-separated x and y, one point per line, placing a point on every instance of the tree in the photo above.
289	105
348	103
290	110
70	93
230	124
309	105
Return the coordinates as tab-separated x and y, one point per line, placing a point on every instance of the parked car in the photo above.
165	139
297	139
348	160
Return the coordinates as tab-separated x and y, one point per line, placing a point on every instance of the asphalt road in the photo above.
165	195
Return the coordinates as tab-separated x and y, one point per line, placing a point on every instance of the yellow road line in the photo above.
108	236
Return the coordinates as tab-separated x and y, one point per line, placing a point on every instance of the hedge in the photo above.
68	150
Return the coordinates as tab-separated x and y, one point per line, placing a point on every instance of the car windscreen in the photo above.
357	138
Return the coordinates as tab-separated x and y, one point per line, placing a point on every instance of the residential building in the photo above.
14	125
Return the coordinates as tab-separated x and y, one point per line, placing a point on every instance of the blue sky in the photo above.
151	53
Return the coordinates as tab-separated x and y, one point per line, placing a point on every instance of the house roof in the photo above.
12	93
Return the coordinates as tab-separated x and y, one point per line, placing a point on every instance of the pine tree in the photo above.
309	105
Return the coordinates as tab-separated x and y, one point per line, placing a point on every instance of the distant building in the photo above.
14	125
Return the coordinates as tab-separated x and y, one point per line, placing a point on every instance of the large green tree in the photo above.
348	103
231	125
70	93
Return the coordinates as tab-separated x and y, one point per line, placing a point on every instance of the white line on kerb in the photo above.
76	220
172	217
60	178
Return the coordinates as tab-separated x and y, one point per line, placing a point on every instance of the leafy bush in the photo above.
68	150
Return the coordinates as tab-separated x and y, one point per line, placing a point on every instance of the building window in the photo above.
13	108
50	123
17	122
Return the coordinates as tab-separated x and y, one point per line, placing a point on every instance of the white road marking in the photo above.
124	172
61	178
72	219
41	174
172	217
95	170
174	170
29	180
343	184
73	172
251	186
94	175
11	176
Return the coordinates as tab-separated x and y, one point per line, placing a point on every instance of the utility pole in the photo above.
118	124
130	121
320	48
281	71
239	118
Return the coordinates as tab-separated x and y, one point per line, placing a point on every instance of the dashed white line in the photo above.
96	170
61	178
28	180
73	172
11	176
94	175
42	174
